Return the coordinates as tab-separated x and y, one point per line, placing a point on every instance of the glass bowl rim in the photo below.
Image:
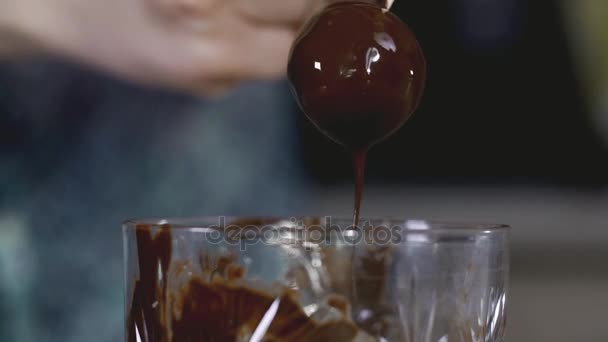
406	224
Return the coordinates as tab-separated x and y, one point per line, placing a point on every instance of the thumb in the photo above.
317	5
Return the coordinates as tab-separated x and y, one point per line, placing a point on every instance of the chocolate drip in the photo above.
359	168
147	318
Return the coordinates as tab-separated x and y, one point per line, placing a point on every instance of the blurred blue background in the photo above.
513	128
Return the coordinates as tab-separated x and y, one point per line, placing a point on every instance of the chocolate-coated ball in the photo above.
358	73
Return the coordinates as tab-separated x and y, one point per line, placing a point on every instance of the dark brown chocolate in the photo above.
218	306
146	316
358	73
221	311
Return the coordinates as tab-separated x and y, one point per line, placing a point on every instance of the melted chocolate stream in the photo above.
359	171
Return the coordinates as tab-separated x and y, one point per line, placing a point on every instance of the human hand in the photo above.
201	45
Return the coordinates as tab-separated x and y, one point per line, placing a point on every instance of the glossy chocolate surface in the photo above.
358	73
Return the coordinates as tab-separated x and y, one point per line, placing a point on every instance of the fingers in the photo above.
177	9
267	12
382	3
264	55
281	12
256	54
214	44
272	12
239	52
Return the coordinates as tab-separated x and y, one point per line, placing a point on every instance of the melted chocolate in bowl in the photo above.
358	74
218	304
184	284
